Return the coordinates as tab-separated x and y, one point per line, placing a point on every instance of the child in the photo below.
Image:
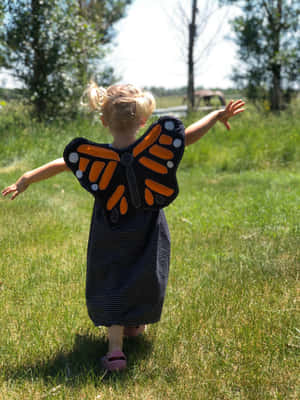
131	179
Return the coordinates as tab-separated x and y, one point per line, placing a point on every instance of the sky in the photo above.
147	50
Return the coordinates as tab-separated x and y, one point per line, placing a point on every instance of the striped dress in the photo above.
127	269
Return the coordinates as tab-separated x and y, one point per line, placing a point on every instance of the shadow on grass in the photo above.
81	364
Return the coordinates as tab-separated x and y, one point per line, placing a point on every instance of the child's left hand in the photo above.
16	188
233	108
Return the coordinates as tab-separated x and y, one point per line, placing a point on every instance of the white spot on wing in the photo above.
169	125
177	143
170	164
73	157
94	187
79	174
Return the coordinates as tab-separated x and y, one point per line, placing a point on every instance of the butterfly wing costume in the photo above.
129	244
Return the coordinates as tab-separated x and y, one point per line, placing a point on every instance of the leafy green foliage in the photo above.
103	14
268	37
1	39
52	47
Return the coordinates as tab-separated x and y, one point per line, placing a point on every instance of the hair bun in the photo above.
96	97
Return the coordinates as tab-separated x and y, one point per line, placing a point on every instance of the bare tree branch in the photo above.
194	39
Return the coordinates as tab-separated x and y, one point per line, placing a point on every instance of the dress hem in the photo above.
129	324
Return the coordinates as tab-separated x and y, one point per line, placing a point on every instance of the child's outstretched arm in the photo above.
195	131
36	175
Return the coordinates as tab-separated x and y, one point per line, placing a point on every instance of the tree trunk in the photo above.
82	62
275	90
38	73
192	35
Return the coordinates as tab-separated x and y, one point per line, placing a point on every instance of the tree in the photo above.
194	40
102	15
191	62
268	37
46	44
1	24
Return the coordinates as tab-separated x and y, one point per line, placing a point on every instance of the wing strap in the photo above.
127	160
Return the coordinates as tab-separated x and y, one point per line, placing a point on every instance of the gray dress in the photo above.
129	242
127	269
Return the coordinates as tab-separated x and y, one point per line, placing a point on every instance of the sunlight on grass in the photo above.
230	325
230	312
16	165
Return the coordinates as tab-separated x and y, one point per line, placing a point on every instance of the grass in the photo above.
230	326
169	101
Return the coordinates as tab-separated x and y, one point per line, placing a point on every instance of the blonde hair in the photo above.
123	107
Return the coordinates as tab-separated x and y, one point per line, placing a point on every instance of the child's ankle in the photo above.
112	347
115	338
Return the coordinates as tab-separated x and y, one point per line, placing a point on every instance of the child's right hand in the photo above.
232	109
17	188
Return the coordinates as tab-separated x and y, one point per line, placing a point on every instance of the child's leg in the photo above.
115	359
115	338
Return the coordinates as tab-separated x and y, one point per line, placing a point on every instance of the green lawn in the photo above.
230	326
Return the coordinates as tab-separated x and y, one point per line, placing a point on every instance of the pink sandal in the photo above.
114	361
133	331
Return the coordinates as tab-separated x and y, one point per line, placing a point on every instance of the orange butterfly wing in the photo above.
159	153
141	176
95	165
